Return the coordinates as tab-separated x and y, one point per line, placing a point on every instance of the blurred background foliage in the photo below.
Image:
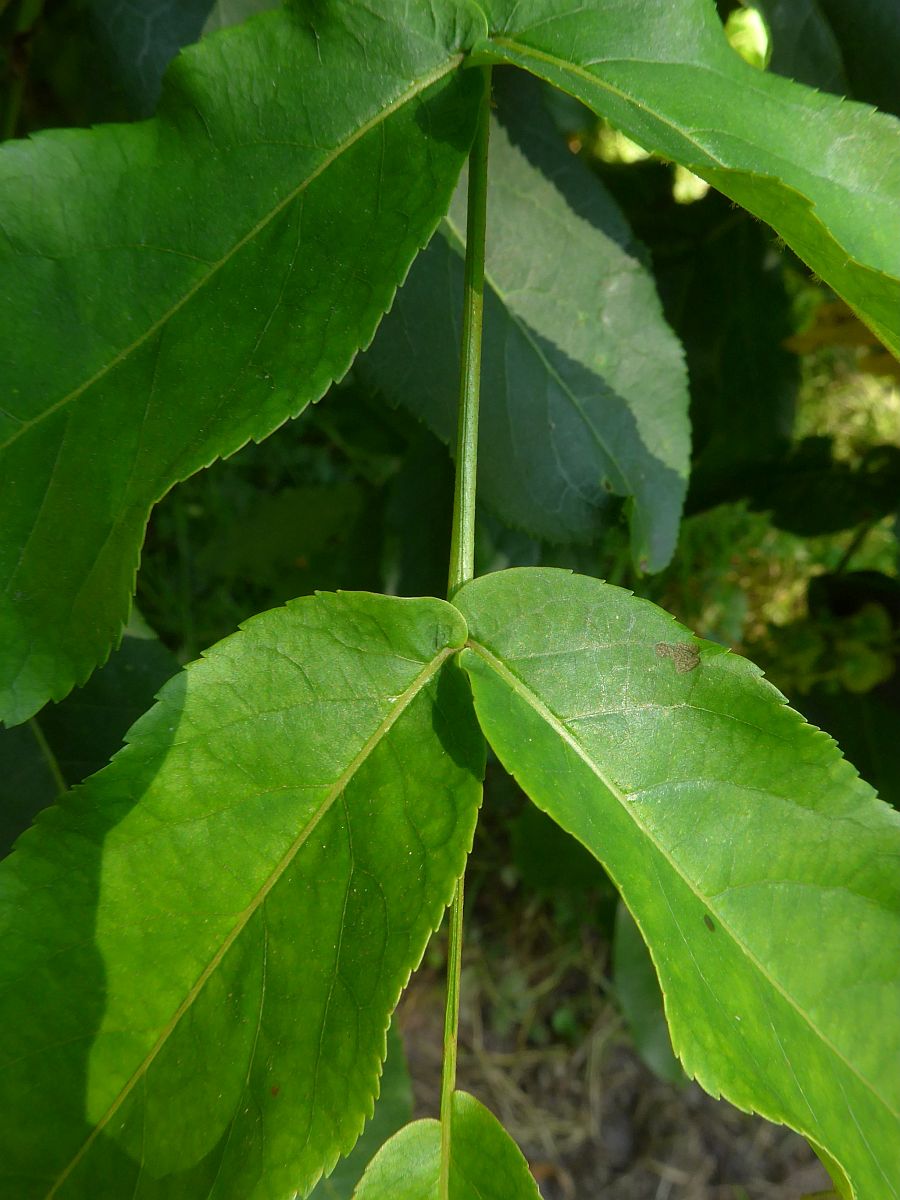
788	553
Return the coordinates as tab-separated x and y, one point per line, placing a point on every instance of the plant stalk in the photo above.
462	546
462	540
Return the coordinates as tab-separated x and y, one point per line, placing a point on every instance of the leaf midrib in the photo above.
522	690
415	89
337	789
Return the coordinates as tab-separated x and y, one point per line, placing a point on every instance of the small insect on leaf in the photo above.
708	922
685	655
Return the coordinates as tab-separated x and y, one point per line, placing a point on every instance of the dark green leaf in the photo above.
202	946
825	173
65	743
141	39
229	12
868	32
583	383
762	872
178	287
803	44
485	1163
850	49
724	292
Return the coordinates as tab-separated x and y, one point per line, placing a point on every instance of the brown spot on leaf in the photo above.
684	655
708	922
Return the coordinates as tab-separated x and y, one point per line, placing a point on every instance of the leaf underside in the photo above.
823	172
584	391
186	284
202	946
763	873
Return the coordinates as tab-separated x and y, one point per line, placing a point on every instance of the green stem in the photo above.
48	755
462	541
853	545
462	546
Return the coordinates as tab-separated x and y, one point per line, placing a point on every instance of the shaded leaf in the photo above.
804	46
583	384
65	743
174	292
724	293
141	39
485	1163
202	946
393	1109
229	12
868	32
825	173
761	870
841	48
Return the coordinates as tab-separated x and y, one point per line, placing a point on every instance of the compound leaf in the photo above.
485	1163
824	172
202	946
763	873
177	287
584	386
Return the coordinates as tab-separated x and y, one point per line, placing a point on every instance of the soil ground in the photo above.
593	1121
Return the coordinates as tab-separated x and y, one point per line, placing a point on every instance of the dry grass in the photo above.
589	1116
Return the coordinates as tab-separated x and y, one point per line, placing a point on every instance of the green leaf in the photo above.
393	1110
202	946
761	870
583	383
65	743
181	286
825	173
637	990
485	1163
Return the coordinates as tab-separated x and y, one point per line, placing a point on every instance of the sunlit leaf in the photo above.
763	873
